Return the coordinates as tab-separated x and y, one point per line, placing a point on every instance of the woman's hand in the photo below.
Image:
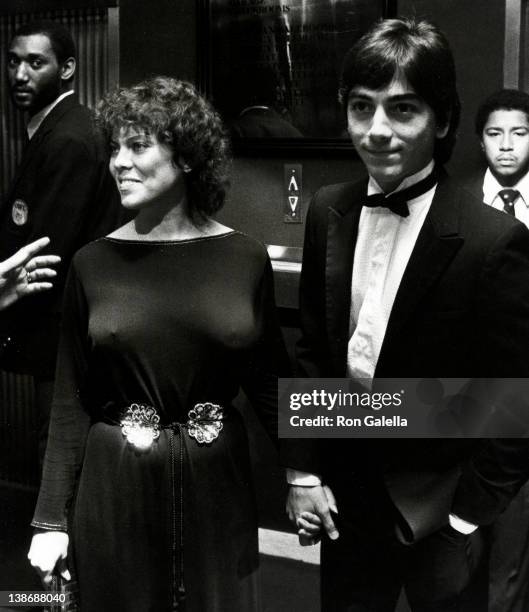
47	554
309	508
309	528
25	273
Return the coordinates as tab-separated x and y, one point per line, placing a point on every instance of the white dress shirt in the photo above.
491	187
383	248
35	121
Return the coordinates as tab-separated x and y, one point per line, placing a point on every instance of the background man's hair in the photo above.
60	37
416	51
504	99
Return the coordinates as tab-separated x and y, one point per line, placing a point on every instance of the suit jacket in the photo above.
462	310
474	183
62	189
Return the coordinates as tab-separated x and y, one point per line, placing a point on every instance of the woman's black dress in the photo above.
168	325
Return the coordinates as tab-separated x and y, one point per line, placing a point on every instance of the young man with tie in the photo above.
62	189
405	276
502	126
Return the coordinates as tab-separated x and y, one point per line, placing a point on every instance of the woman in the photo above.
164	320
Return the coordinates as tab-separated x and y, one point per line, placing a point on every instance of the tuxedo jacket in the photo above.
62	189
474	183
462	310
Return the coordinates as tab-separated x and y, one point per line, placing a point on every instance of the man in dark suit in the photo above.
502	126
62	189
404	275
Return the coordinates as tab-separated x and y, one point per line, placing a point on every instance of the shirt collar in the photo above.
491	187
374	187
35	122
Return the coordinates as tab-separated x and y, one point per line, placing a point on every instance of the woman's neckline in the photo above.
172	241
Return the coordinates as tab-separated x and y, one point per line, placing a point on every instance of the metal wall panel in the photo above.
18	430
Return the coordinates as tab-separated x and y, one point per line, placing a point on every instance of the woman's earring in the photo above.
183	166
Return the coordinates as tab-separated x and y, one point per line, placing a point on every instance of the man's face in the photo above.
393	131
505	141
34	72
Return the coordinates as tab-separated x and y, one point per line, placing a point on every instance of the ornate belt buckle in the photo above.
204	422
140	425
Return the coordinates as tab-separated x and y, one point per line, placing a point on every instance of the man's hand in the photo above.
309	508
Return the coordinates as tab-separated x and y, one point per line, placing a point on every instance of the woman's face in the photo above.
143	169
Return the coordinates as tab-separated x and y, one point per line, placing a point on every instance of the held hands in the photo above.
47	554
25	274
309	508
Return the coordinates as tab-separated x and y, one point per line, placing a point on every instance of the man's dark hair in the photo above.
60	37
417	51
504	99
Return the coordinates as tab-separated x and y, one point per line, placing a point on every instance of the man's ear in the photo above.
68	69
442	130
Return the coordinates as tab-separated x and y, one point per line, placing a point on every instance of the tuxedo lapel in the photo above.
474	184
436	245
342	232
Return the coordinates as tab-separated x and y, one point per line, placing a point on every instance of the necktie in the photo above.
509	197
397	201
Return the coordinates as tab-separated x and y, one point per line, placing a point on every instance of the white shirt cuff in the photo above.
461	525
302	479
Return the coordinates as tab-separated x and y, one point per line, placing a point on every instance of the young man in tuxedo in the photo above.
62	189
406	276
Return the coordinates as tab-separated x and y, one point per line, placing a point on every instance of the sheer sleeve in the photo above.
69	422
268	360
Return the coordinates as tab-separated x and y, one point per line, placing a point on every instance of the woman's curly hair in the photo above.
181	118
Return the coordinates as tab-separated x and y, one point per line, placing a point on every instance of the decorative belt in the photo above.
141	427
141	424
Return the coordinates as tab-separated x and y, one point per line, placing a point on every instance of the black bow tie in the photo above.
397	202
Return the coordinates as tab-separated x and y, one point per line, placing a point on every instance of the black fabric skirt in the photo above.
173	527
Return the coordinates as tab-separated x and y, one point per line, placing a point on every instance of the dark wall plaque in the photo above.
272	67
